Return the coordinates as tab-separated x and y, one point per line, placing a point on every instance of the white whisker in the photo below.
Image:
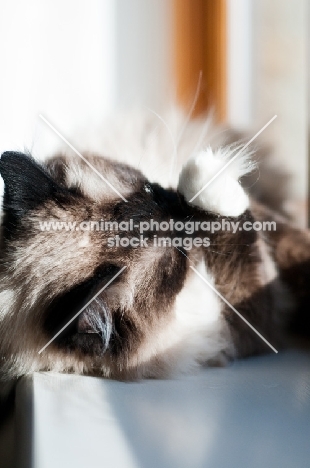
172	139
191	109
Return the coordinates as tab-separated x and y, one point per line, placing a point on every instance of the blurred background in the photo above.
76	60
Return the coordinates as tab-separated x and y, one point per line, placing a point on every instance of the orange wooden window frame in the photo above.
199	47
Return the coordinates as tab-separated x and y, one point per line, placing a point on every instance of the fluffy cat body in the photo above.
160	317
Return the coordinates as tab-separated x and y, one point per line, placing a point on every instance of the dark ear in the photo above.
26	184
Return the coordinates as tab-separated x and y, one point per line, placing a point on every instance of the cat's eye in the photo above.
147	188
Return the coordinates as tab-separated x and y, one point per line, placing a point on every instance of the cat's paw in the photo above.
224	195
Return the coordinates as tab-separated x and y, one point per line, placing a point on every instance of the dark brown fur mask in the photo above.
146	321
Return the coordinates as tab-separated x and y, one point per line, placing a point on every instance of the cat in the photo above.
159	310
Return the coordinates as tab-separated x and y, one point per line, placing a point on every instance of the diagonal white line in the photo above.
232	307
82	157
83	308
232	159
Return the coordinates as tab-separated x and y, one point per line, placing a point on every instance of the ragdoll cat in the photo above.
158	317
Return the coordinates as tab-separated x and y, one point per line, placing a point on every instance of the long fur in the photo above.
158	318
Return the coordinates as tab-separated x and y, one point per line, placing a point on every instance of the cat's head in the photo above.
51	269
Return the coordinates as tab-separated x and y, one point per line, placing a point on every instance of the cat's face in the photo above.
53	274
